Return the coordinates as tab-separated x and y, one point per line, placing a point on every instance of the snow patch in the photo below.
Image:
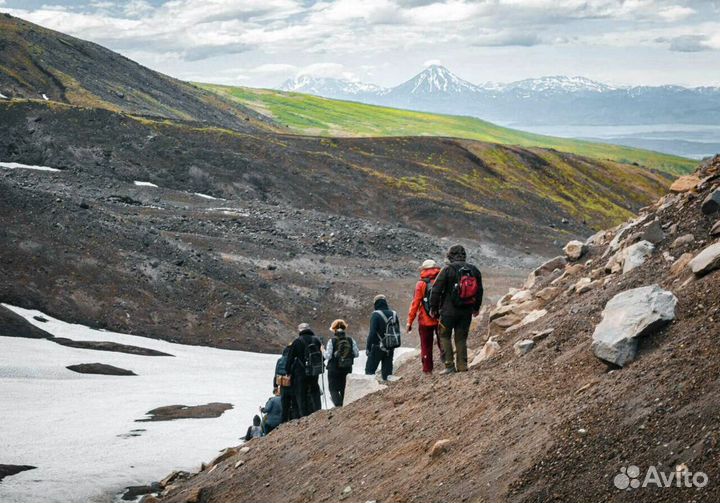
3	96
45	97
74	427
205	196
17	165
144	184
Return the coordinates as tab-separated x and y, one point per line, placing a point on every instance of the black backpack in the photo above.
391	339
313	358
429	283
343	352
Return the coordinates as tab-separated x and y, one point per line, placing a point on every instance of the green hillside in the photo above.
308	114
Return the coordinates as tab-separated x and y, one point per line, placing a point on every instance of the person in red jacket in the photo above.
427	326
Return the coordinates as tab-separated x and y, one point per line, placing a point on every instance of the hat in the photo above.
303	326
379	297
428	264
338	325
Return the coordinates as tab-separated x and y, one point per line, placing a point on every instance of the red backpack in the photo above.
465	289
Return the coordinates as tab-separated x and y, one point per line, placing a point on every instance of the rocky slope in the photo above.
37	63
244	233
542	415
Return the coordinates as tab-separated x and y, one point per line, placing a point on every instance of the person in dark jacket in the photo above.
254	431
274	413
337	375
289	411
306	391
455	314
375	353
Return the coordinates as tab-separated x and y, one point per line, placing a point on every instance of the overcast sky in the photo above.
264	42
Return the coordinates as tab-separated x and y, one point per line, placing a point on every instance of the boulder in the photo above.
440	447
490	348
682	241
548	293
680	264
546	268
501	311
581	284
652	232
635	255
358	386
685	184
523	347
715	231
707	260
711	204
626	317
622	233
574	249
587	286
521	296
507	320
531	317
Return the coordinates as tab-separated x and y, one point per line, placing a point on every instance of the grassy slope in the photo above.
320	116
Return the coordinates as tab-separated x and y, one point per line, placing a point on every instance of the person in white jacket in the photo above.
340	352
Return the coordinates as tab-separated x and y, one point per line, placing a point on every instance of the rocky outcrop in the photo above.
574	250
8	470
14	325
626	317
172	412
707	260
100	368
635	255
685	184
711	204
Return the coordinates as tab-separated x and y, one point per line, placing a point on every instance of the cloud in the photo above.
332	70
508	40
431	62
675	13
273	69
688	43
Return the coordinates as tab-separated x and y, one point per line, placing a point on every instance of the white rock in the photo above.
707	260
523	347
490	348
628	315
635	255
521	296
360	385
531	317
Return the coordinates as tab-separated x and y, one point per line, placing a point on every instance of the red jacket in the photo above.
417	308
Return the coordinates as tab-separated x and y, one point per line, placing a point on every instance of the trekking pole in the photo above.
322	378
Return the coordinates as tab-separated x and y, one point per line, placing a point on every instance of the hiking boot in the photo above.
447	371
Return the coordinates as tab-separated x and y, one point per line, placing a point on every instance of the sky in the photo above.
262	43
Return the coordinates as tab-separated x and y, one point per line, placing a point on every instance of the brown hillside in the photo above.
553	425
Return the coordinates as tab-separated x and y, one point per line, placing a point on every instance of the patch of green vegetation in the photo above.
308	114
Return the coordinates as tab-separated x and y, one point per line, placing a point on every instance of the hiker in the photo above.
283	387
455	299
383	338
420	308
254	431
273	413
304	365
340	353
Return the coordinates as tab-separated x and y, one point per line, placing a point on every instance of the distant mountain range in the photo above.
556	100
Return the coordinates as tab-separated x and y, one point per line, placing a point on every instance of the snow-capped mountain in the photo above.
558	84
330	87
552	100
436	79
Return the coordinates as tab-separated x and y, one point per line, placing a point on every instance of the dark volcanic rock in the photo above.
170	412
109	346
7	470
100	368
132	492
14	325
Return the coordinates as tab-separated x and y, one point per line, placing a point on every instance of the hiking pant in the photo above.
427	334
336	385
289	408
457	326
306	394
378	356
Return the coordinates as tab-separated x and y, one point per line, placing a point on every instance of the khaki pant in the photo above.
457	328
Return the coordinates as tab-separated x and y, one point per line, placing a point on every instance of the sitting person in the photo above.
254	431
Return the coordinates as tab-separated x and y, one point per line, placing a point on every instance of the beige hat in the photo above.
303	326
428	264
379	297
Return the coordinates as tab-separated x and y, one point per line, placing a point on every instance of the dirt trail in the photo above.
553	425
